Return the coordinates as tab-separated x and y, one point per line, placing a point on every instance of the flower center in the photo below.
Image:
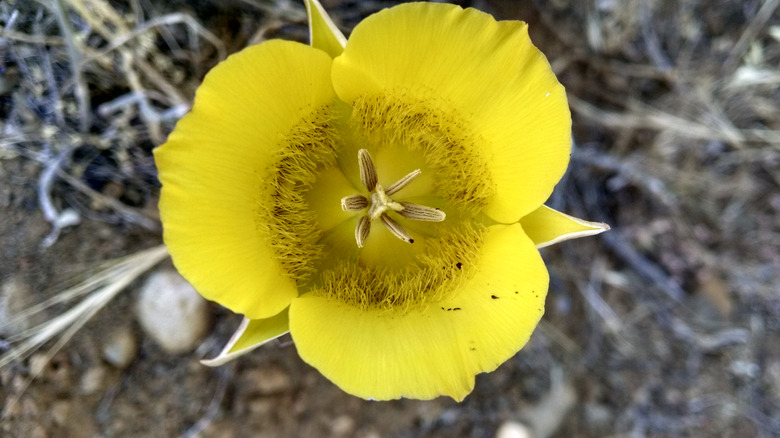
379	205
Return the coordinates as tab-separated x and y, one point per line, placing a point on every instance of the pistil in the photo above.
379	203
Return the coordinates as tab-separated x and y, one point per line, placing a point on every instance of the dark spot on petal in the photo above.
411	240
459	265
517	292
472	349
494	297
456	308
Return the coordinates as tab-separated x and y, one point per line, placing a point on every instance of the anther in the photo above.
362	230
403	182
421	213
354	203
367	170
397	230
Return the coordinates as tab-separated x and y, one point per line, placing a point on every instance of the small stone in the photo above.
56	370
38	431
92	380
172	313
514	429
38	363
120	347
262	407
269	380
429	413
15	296
19	384
342	425
60	412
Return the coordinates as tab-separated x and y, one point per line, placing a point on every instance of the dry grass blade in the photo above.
129	214
100	288
74	55
749	35
654	119
165	20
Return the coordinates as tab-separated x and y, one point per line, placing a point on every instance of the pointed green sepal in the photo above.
323	33
251	334
546	227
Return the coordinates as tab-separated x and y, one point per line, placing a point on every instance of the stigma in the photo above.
378	204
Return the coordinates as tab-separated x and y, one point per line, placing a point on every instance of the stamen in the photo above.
421	213
367	170
362	230
403	182
354	203
397	230
379	203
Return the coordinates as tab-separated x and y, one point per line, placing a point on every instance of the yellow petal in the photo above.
252	333
546	227
323	33
484	74
213	167
425	353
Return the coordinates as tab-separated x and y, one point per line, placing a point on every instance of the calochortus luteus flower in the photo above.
379	198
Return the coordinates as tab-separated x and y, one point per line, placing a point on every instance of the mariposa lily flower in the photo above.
379	198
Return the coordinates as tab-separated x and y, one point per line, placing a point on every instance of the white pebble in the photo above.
92	380
172	313
120	347
342	425
514	429
15	296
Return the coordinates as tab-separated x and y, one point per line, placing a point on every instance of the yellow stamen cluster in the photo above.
449	147
285	216
447	260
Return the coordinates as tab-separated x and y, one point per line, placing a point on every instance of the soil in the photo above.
666	326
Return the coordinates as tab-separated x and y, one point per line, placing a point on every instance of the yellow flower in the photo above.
381	199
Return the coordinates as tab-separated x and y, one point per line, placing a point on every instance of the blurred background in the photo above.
666	326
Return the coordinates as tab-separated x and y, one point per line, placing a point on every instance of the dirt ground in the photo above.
667	326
